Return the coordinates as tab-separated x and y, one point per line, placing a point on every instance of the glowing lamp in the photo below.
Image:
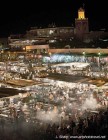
99	53
83	53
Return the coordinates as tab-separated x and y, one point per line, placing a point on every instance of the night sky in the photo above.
17	17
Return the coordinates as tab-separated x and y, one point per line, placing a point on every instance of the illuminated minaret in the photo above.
81	24
81	13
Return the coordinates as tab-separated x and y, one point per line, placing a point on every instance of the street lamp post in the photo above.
99	54
84	55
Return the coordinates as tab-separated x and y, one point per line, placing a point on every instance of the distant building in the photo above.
52	34
81	24
40	37
3	43
57	32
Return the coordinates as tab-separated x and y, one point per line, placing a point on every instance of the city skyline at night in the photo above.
20	18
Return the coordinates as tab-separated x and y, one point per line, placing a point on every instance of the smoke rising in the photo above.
90	103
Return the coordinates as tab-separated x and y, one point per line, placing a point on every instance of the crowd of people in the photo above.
53	111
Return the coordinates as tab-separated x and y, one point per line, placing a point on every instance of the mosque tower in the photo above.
81	24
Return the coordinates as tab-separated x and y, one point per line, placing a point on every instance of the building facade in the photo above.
81	24
53	34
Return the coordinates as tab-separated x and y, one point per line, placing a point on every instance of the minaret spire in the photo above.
81	23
